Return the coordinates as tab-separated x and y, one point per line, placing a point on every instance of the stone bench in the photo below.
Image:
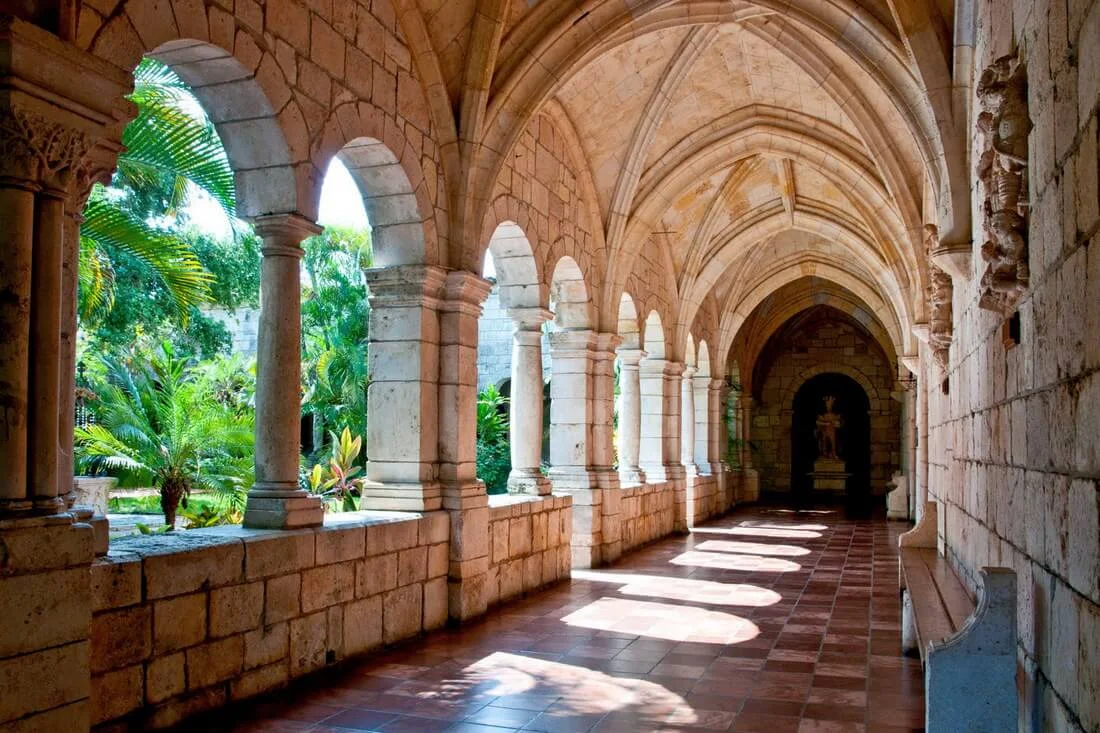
968	651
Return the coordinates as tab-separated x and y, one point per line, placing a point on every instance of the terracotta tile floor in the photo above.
761	621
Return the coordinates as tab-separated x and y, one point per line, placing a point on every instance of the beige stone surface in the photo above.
179	622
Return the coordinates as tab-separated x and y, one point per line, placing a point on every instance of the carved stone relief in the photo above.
940	291
1002	169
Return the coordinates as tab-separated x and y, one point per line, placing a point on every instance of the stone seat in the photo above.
968	650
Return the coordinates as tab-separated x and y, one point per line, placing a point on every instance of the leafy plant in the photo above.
494	456
170	149
157	426
336	483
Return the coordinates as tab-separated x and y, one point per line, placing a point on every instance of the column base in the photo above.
524	481
631	477
271	509
400	497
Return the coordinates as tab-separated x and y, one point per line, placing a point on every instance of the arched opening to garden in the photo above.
628	404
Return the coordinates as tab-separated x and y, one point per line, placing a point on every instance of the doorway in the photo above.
853	438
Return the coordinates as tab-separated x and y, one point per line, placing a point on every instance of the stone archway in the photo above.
852	403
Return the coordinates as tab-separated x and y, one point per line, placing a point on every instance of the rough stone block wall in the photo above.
647	512
704	497
188	622
1014	445
838	348
494	343
529	544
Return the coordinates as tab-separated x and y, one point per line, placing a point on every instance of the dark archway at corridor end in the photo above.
854	440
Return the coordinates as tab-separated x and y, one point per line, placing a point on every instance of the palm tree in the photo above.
171	149
158	425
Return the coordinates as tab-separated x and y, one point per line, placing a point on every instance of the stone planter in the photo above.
94	491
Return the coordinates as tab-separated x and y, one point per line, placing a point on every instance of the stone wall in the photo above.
1013	450
646	513
704	500
187	622
529	544
833	347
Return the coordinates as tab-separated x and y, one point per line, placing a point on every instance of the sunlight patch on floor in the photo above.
729	561
663	621
752	548
684	589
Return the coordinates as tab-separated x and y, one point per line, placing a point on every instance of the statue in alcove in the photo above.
828	425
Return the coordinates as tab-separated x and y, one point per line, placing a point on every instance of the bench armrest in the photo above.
924	533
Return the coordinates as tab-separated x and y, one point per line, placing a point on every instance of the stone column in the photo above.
609	536
276	501
403	367
687	421
927	369
17	227
750	480
464	495
701	445
717	437
69	325
526	402
571	409
45	357
630	417
909	448
654	456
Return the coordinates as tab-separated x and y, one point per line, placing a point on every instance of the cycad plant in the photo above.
171	148
157	425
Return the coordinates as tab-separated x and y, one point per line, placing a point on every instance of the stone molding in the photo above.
940	302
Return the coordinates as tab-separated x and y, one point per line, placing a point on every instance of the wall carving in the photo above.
1004	125
940	292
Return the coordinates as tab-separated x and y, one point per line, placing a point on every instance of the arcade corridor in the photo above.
761	621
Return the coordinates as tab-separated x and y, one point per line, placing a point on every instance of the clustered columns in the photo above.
630	416
526	402
661	450
603	451
276	501
715	427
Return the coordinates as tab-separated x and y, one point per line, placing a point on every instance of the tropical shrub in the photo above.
494	454
336	483
157	424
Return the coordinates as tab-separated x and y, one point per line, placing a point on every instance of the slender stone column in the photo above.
701	445
630	416
909	449
70	264
716	427
526	402
653	458
464	495
687	421
17	228
597	540
745	423
45	376
927	368
276	501
403	398
603	410
571	409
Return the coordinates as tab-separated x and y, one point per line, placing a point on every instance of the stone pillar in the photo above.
927	369
717	437
58	103
571	409
603	456
909	449
655	455
750	480
700	386
403	367
276	501
69	325
687	421
630	417
525	417
464	495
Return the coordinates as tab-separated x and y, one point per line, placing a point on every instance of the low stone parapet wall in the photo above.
529	538
703	499
647	513
188	621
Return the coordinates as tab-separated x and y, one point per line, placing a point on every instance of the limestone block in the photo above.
549	566
1084	538
327	585
113	694
499	531
121	638
438	559
363	625
391	536
539	526
54	604
165	678
337	544
115	581
184	562
412	566
43	680
335	633
278	552
470	533
236	608
282	598
56	546
1088	663
435	603
266	645
511	579
375	575
435	527
308	639
519	536
179	622
466	596
214	662
532	572
258	681
402	613
71	717
175	710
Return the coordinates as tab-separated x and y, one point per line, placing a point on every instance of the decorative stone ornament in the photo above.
1002	168
940	308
